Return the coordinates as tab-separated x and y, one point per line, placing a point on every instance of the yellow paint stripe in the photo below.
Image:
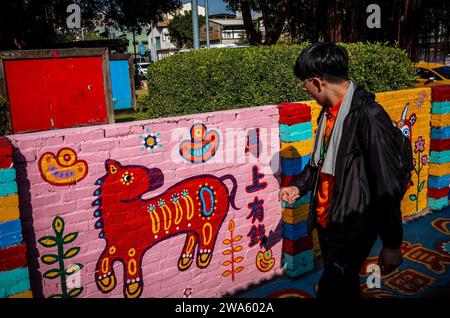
155	222
439	169
9	214
294	219
441	117
190	212
25	294
10	201
167	219
207	236
296	149
304	208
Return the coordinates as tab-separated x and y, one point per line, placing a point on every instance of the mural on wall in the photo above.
196	206
265	260
405	124
58	241
63	169
442	225
232	251
151	141
254	144
202	145
419	163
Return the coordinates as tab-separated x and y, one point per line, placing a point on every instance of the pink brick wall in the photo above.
70	195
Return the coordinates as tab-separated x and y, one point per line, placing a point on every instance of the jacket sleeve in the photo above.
382	175
305	180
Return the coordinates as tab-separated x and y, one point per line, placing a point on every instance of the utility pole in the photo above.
194	4
207	23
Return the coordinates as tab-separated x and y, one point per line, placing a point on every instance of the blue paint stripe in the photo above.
439	159
300	271
7	175
440	107
294	231
303	200
438	204
297	128
14	282
301	258
10	233
294	166
440	132
438	182
296	137
8	188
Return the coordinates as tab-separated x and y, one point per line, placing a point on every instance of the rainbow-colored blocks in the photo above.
14	276
439	179
296	148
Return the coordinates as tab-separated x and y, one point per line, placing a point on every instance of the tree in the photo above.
274	14
26	24
180	29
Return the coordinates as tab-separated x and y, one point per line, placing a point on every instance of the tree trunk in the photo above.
254	37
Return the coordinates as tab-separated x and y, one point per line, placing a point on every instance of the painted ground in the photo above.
425	271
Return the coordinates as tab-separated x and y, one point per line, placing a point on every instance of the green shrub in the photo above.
218	79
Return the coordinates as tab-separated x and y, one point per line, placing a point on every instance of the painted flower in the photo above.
184	193
175	197
419	145
424	159
161	203
151	141
414	161
151	208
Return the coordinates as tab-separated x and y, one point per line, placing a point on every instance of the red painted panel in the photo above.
292	109
13	257
440	144
438	193
297	246
441	93
55	93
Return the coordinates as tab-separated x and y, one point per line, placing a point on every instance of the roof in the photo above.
428	65
163	23
228	21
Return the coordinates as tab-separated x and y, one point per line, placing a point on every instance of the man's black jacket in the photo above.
367	191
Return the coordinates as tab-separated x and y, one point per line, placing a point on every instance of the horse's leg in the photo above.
104	272
206	244
133	284
187	255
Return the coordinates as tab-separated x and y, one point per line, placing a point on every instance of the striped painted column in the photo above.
296	148
14	276
439	179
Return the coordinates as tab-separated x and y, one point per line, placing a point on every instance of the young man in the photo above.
353	173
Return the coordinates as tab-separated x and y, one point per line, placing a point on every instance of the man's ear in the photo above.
318	83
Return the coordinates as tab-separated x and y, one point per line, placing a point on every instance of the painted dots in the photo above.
112	250
131	252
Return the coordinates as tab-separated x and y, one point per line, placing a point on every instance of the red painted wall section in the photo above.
55	93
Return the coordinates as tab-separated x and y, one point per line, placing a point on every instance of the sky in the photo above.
215	6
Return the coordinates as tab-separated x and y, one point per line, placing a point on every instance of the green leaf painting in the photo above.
59	241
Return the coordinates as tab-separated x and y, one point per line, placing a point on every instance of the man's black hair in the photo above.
325	60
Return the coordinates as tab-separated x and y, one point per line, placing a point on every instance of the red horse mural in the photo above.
195	207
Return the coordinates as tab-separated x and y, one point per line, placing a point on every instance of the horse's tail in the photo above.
233	190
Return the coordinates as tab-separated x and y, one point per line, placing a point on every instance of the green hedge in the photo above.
217	79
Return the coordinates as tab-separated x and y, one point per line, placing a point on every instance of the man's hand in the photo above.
389	259
289	194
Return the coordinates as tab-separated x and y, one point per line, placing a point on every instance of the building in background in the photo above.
159	38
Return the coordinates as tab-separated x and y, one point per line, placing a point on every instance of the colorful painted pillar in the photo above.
439	179
14	276
296	148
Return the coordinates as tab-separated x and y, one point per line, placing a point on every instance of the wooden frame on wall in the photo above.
129	58
52	54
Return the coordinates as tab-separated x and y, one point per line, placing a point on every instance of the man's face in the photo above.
316	88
